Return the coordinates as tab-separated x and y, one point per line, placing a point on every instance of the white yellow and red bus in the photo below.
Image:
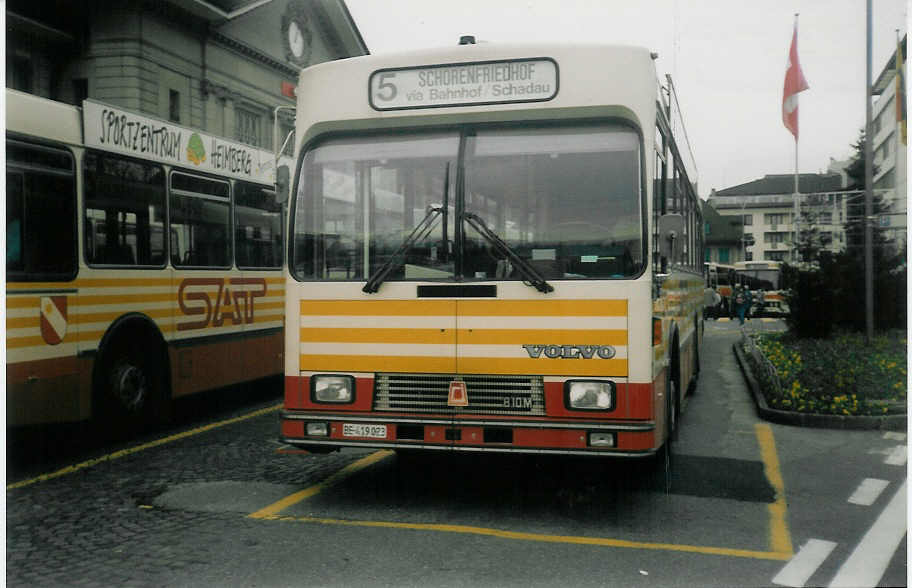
143	263
492	248
720	278
764	278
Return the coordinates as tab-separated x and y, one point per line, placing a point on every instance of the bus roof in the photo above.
581	80
32	115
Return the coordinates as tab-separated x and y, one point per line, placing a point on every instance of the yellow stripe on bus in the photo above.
542	307
465	307
479	365
22	302
12	287
107	317
125	299
131	282
537	336
23	322
378	307
543	366
465	336
430	336
377	363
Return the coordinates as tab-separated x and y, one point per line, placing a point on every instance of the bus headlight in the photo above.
332	388
589	395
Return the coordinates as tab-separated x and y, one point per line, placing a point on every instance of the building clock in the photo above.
296	34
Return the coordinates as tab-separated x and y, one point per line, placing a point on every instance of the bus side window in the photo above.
200	216
258	227
124	211
40	213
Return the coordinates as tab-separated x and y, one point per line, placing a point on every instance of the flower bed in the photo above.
843	375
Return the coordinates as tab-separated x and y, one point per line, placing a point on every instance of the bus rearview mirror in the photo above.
671	236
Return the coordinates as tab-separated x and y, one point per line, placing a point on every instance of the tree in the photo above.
810	240
855	207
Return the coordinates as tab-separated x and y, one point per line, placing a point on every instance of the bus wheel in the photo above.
132	391
692	387
663	461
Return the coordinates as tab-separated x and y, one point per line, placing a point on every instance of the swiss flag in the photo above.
794	83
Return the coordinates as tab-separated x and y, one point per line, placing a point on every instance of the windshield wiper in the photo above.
534	278
421	230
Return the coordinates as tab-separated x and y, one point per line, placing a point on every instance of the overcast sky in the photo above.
727	58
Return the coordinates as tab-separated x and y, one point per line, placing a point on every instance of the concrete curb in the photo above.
894	422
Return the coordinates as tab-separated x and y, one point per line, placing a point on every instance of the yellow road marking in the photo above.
781	551
273	509
540	537
131	450
780	538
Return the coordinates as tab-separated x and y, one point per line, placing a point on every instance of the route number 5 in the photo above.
385	86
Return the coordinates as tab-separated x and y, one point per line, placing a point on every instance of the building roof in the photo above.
785	184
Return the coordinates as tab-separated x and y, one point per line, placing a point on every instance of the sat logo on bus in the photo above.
233	301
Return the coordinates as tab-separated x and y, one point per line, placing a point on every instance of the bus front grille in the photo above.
487	394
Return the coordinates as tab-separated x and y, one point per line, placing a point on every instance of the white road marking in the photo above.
871	557
867	492
801	567
897	456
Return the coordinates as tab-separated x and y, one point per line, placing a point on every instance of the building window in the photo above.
723	255
776	218
80	90
775	255
886	181
774	237
748	220
247	125
174	106
825	218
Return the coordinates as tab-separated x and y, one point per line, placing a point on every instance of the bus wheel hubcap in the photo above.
129	386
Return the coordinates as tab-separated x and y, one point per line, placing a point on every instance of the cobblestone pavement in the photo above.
96	526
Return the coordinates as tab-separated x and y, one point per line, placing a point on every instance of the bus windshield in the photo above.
763	279
565	200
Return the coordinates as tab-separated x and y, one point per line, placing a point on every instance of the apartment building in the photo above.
766	210
890	151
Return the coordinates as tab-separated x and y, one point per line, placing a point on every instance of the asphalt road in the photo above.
217	501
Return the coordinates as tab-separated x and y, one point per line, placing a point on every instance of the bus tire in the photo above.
131	389
695	375
663	461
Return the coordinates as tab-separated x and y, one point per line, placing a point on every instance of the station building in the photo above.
226	67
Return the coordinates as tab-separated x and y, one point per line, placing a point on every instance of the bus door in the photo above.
208	343
259	289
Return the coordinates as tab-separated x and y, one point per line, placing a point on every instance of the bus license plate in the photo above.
372	431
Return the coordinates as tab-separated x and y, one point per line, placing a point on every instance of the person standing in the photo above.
743	301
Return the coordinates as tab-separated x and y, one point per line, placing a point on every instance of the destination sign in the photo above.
114	129
464	84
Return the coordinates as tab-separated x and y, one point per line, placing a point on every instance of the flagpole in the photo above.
869	193
797	212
